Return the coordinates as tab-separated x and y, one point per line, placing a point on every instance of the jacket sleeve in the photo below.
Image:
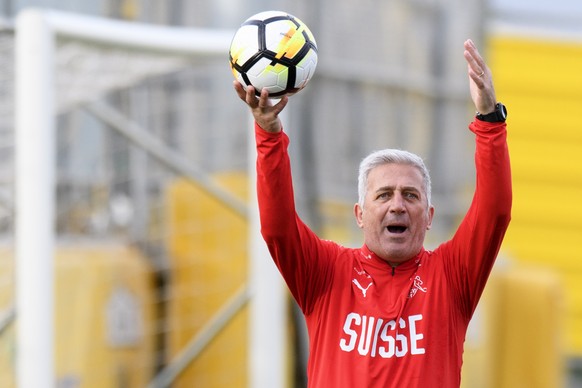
476	243
302	258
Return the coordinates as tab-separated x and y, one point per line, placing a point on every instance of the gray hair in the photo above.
391	156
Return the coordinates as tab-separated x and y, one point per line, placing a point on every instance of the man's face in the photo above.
395	215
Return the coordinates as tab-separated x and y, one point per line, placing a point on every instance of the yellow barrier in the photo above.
104	318
516	336
208	250
7	337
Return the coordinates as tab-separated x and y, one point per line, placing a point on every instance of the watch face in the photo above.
502	110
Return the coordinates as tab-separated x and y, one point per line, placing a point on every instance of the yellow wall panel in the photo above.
548	205
530	308
541	83
534	64
554	163
104	318
99	291
7	341
207	245
528	119
512	340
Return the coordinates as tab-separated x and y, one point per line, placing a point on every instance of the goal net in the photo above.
128	234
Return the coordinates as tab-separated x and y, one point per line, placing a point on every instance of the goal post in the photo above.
36	107
35	177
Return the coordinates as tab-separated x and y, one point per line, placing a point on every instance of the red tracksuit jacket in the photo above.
371	325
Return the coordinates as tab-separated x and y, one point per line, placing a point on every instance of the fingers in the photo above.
240	91
265	112
481	82
247	95
280	105
477	68
263	101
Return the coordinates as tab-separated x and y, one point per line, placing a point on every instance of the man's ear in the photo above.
358	211
430	217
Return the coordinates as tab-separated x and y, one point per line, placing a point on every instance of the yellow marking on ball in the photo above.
291	43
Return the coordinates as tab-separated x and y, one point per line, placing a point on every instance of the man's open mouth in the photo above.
396	228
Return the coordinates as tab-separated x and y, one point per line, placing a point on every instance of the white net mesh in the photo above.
6	128
139	265
86	71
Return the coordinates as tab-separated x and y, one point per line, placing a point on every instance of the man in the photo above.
391	313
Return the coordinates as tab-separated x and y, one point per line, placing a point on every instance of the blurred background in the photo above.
152	181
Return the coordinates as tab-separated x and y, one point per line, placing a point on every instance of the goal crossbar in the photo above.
135	35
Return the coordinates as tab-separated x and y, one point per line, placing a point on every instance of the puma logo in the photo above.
364	290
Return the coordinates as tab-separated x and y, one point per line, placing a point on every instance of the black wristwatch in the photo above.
497	116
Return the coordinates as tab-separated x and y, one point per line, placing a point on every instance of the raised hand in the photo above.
265	113
480	79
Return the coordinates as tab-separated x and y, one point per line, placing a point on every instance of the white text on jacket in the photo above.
378	337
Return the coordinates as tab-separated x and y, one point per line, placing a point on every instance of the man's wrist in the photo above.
497	116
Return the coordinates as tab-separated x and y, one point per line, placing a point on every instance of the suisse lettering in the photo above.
377	337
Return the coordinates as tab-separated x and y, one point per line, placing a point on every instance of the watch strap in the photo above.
497	116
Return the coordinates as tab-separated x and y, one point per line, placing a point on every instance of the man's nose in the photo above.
397	203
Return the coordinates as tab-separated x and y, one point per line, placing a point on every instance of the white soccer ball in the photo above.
273	50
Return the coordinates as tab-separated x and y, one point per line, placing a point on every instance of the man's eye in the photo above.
411	195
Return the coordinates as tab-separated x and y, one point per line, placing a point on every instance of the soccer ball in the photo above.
273	50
